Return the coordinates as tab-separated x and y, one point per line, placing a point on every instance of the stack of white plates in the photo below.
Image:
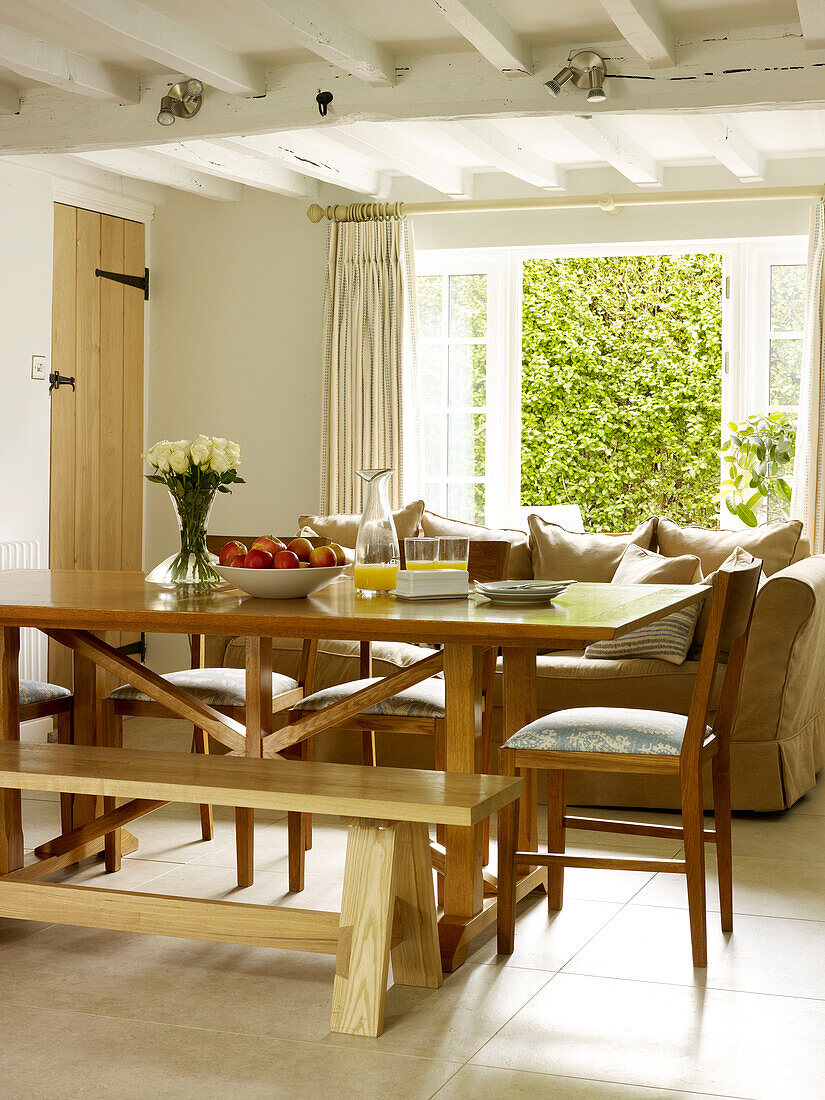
521	593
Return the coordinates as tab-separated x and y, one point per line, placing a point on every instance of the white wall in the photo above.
25	330
235	350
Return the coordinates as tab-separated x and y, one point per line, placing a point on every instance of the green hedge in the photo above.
621	387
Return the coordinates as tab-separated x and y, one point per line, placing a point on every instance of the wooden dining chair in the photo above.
224	689
642	741
420	710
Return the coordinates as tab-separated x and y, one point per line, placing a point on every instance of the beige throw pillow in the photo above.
343	527
560	555
519	565
640	566
774	543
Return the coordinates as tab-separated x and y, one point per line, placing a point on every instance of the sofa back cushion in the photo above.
640	566
738	558
519	565
560	555
774	543
343	526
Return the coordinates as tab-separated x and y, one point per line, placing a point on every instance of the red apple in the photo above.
285	559
258	559
322	557
270	543
239	562
230	551
301	548
340	556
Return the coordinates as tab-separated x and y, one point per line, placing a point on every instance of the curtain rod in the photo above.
609	204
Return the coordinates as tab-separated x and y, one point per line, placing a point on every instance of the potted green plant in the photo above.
759	453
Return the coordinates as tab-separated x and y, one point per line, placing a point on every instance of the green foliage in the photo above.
758	453
621	387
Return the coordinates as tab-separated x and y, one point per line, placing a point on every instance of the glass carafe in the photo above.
377	557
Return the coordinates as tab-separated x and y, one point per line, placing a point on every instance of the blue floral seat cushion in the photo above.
36	691
424	700
217	687
604	729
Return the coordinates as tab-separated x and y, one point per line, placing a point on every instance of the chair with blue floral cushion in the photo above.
642	741
39	699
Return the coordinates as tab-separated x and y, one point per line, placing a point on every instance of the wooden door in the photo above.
96	495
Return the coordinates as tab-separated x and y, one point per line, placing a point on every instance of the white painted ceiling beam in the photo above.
162	170
812	18
499	150
484	27
9	100
324	33
603	137
74	170
35	59
149	34
645	28
313	156
401	154
240	167
721	139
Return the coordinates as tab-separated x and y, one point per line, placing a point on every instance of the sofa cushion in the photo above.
423	700
774	543
641	566
666	639
563	555
519	565
343	526
604	729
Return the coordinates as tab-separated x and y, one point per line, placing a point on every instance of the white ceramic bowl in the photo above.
280	584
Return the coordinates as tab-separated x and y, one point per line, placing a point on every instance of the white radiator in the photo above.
25	554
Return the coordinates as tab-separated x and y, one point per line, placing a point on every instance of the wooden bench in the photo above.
388	905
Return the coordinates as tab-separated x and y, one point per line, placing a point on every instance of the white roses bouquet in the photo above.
193	470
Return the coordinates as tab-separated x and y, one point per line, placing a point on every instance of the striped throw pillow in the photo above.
666	639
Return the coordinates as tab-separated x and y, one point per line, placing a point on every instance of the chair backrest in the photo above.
733	596
488	560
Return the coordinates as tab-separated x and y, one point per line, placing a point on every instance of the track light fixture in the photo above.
183	100
586	70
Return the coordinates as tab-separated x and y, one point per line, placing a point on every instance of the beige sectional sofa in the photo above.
779	733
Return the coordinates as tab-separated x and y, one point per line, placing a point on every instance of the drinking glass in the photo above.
453	553
421	553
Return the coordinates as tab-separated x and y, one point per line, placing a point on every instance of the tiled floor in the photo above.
598	1001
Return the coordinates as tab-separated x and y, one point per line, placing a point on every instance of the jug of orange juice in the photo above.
377	557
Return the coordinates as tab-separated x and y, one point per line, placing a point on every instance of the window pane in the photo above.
429	305
786	370
463	502
467	437
434	433
435	493
468	374
431	360
468	305
787	297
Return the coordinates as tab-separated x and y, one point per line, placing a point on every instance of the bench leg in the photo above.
416	960
367	910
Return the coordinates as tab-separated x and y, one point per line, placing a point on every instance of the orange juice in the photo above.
413	565
449	565
376	578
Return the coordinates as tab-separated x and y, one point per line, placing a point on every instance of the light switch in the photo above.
39	368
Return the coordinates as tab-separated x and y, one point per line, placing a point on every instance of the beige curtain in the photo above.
808	499
370	319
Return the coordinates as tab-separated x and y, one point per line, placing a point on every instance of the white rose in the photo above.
233	453
219	463
201	450
158	456
179	460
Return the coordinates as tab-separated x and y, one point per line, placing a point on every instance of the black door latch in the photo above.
57	380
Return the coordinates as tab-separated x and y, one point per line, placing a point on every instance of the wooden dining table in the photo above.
78	608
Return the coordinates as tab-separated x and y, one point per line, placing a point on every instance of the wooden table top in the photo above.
100	601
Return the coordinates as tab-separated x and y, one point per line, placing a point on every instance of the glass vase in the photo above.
377	557
191	567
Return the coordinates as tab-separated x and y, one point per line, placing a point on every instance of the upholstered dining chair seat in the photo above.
424	700
37	691
217	687
604	729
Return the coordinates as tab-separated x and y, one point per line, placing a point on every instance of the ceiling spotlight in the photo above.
183	100
586	70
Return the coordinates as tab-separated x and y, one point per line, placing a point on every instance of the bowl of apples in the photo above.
273	570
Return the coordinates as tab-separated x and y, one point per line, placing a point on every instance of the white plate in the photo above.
522	593
280	584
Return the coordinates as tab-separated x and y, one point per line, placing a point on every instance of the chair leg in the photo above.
721	814
299	828
556	809
64	737
368	748
439	739
200	744
507	840
245	845
693	823
112	738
